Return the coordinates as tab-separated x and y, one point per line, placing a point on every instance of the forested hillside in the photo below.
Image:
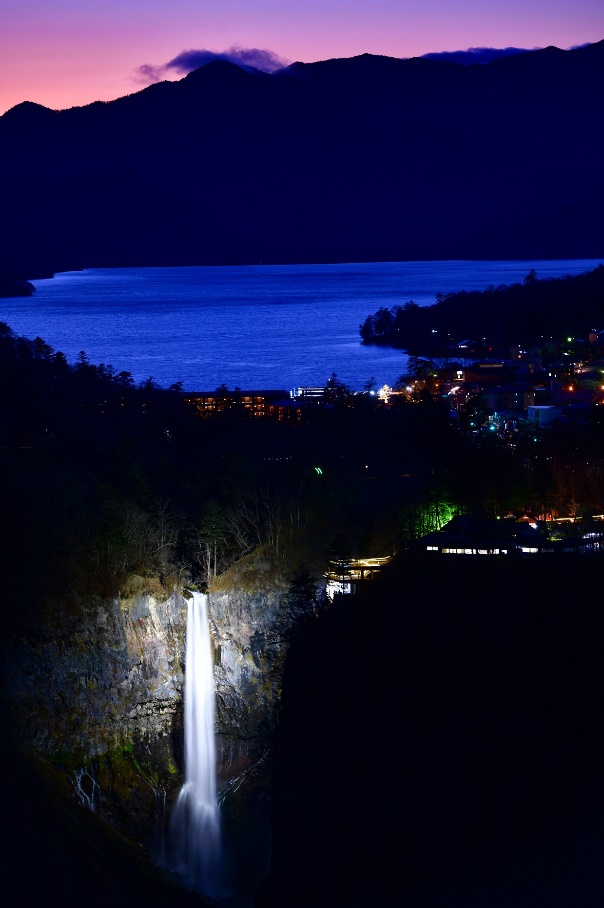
528	313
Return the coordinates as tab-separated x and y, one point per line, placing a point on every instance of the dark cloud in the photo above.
187	60
476	54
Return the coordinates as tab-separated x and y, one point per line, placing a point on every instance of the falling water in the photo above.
196	818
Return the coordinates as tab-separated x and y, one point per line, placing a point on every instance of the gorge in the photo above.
99	696
481	766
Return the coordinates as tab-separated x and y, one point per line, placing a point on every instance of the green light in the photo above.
318	471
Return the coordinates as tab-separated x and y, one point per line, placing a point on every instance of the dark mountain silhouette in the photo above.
367	158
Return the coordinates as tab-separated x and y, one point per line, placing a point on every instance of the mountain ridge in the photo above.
362	158
297	67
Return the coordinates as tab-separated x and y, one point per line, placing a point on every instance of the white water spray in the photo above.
196	816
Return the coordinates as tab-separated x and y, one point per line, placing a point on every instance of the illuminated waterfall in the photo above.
196	818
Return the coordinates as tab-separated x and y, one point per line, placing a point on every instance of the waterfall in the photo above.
196	818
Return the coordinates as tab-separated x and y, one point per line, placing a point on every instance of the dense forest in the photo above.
511	314
105	480
108	484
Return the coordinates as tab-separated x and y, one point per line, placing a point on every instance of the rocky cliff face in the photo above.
99	692
248	653
113	673
105	676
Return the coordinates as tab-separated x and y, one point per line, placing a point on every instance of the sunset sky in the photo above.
62	53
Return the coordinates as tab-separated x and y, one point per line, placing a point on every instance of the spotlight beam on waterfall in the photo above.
196	818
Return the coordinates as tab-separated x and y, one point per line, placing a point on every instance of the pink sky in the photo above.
62	53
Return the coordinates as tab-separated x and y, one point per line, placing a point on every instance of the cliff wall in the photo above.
112	673
98	691
105	675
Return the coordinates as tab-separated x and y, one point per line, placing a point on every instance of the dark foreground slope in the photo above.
57	853
441	743
368	158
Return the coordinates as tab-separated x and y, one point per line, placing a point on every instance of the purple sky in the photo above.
62	53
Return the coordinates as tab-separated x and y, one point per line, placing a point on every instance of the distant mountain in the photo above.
367	158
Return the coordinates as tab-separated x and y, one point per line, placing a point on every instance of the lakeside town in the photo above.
528	401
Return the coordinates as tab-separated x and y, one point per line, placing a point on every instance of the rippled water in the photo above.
252	326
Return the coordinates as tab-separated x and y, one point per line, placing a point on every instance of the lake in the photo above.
252	326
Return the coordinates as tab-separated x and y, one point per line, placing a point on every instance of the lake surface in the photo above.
252	326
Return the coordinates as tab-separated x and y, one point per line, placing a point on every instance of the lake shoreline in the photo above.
251	326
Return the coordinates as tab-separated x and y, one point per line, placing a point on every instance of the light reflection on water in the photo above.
261	326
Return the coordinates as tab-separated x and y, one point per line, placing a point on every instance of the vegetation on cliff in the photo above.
79	859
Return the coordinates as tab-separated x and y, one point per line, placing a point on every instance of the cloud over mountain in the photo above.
476	54
187	60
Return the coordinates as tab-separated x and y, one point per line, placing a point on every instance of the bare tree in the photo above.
212	535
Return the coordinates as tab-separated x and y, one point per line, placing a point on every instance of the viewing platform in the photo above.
344	576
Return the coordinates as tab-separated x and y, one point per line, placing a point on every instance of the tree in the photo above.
336	392
420	368
212	534
41	349
420	518
473	413
12	284
163	534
